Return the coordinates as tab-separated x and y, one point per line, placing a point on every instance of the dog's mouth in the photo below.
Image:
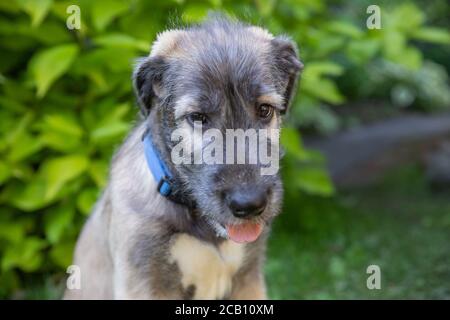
244	232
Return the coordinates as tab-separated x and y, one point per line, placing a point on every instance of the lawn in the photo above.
322	250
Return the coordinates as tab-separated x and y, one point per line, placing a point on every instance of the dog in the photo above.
191	231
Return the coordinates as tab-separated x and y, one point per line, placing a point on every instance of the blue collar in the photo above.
159	170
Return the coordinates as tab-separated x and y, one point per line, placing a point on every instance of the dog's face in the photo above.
222	75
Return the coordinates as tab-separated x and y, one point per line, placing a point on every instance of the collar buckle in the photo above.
164	187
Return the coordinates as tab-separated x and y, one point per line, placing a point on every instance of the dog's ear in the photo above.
288	66
147	81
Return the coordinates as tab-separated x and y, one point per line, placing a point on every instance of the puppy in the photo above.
165	230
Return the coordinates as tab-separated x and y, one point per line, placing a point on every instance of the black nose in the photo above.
246	203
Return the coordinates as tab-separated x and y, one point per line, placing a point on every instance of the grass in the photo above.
322	249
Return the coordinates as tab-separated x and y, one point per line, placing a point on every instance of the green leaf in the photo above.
430	34
404	17
122	41
363	50
25	255
291	141
344	28
5	172
394	44
104	11
24	146
314	83
86	200
195	13
59	171
319	68
62	254
116	59
412	58
63	123
37	9
12	105
328	44
109	131
50	64
31	197
60	142
57	221
61	132
323	89
315	180
214	3
98	170
12	231
320	116
408	57
112	126
19	129
22	171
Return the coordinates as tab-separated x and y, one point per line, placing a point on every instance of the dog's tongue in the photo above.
244	232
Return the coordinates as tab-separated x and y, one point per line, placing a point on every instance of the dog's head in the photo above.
222	75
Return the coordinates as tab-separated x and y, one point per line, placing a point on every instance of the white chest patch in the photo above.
210	269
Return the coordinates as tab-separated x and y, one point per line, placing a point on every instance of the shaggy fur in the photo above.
138	244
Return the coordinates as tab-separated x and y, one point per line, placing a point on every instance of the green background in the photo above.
66	103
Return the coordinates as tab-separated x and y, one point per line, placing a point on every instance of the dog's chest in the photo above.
208	268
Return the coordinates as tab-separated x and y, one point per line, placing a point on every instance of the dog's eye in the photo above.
265	111
197	117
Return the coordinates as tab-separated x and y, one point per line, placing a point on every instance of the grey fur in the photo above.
124	249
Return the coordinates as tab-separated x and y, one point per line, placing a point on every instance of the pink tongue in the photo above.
244	232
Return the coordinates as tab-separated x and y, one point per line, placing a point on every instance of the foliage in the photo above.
358	54
425	88
66	102
402	73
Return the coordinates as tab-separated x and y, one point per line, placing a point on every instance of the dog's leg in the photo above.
92	257
250	286
126	286
142	276
140	245
128	282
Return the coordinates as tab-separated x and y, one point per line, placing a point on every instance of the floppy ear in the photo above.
288	66
147	81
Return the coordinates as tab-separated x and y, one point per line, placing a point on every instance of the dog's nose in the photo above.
247	203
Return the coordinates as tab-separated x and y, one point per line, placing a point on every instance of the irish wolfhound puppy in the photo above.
165	230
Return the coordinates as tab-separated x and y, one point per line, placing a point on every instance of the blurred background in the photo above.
367	171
